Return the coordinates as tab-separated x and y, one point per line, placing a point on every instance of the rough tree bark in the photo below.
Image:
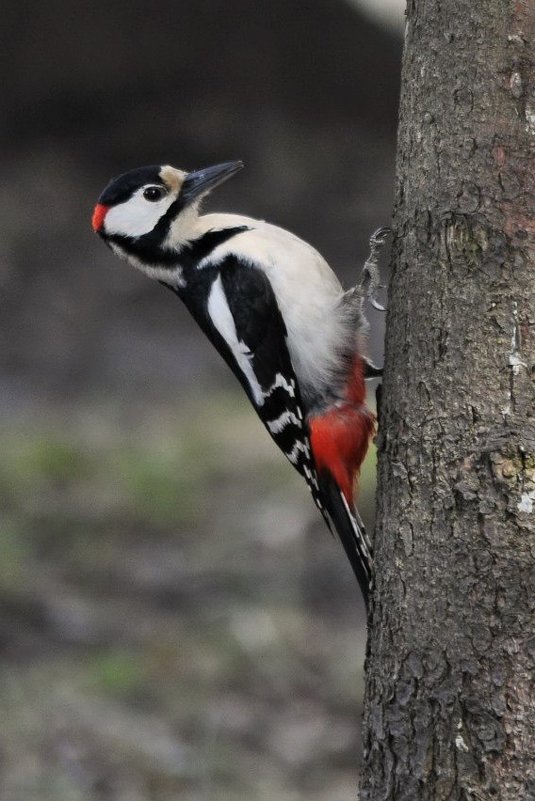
450	709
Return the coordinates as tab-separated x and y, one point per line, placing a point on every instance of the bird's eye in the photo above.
153	193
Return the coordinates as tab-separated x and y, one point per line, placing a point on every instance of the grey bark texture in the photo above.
450	696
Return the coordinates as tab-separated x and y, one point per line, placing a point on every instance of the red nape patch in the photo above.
339	440
99	214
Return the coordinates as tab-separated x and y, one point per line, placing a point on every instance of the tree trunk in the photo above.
450	709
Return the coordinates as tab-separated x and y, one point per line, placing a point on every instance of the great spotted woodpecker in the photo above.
276	313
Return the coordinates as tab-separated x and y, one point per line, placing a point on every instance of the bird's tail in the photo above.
344	520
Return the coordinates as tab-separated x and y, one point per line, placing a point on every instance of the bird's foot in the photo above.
370	281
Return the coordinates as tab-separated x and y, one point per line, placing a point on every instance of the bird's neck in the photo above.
192	252
190	226
189	239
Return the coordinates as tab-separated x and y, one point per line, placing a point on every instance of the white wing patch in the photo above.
293	456
280	381
294	444
276	426
222	318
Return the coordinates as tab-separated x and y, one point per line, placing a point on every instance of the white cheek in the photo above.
136	217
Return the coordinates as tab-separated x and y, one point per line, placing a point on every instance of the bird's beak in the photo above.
201	181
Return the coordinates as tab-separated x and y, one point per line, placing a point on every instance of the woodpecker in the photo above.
275	312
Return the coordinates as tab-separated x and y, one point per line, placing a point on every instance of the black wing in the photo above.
260	327
262	333
235	305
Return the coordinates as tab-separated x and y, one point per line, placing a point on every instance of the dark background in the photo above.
175	621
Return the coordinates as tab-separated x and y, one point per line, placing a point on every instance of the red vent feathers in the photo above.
340	437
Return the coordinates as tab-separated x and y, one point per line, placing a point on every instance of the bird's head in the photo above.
145	215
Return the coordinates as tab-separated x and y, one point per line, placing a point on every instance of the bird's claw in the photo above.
370	270
380	234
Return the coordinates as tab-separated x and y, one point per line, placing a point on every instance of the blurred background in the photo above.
175	620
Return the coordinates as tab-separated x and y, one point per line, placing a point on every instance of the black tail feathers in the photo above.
345	521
